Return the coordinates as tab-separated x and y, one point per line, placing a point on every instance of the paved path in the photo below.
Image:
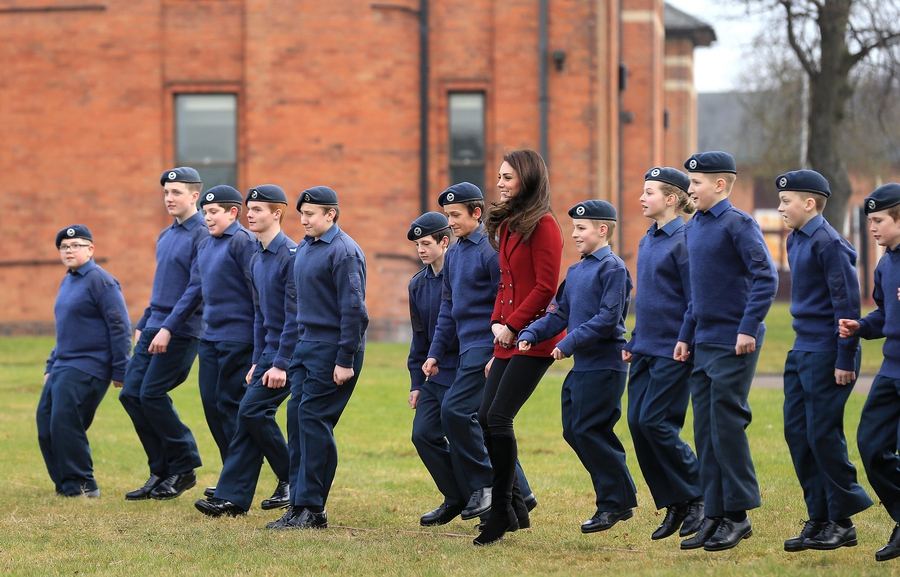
776	382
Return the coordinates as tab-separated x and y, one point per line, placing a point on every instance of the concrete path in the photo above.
863	384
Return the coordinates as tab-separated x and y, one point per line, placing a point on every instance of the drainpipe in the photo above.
542	72
423	106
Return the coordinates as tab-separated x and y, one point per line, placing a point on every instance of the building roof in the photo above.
683	25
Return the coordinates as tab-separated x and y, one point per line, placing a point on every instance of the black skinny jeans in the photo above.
509	384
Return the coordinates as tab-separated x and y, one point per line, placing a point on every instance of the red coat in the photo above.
529	276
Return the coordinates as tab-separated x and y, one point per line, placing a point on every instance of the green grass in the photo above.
380	491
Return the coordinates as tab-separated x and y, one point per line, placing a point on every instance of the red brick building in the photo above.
97	98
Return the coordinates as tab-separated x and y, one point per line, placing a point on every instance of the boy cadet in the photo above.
431	234
471	277
275	336
877	435
330	279
226	348
591	305
93	343
725	322
167	340
821	368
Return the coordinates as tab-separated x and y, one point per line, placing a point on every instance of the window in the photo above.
467	138
206	136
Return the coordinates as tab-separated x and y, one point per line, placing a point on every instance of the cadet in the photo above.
330	278
93	343
275	336
877	436
725	323
821	368
658	392
591	305
226	348
167	339
471	278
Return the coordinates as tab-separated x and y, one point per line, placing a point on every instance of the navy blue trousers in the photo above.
64	413
878	438
223	370
258	435
320	407
814	431
720	385
591	407
169	443
658	396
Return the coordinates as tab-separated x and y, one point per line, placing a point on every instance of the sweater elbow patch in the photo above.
356	299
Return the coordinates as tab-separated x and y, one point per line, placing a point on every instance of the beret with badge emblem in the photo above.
428	223
317	195
180	174
461	192
266	193
882	198
669	175
593	210
74	231
221	193
803	181
712	162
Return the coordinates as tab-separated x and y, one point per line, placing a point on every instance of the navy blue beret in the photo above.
594	210
711	162
882	197
428	223
668	175
180	174
461	192
74	231
803	181
221	193
317	195
267	193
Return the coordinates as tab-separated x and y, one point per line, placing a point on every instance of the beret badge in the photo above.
579	211
871	204
654	172
450	197
210	196
782	182
693	163
417	231
172	175
70	232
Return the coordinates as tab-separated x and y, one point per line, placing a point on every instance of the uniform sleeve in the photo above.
764	278
605	323
243	254
546	254
50	361
418	347
349	275
192	298
259	329
446	327
112	306
143	322
838	261
872	326
553	323
290	334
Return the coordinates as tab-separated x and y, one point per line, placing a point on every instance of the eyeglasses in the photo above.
72	247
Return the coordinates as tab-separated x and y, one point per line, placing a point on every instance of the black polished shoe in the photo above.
729	534
209	492
479	504
603	520
810	529
308	520
282	523
218	507
833	536
174	486
530	502
693	519
707	529
892	549
144	492
441	516
675	515
280	498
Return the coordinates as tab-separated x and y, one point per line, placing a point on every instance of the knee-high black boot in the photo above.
502	517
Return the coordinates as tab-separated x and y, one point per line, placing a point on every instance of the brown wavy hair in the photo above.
523	211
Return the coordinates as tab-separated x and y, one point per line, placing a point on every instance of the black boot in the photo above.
502	517
519	506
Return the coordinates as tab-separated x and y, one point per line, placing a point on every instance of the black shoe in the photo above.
144	492
308	520
174	486
280	498
209	492
603	520
282	523
495	527
833	536
675	515
693	519
729	534
218	507
892	549
479	504
441	516
810	529
531	502
707	529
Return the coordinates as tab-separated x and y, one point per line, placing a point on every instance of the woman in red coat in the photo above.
527	235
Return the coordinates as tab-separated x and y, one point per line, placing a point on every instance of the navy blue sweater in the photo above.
885	320
275	301
592	305
733	278
425	290
663	290
227	284
93	333
176	303
330	274
471	279
824	289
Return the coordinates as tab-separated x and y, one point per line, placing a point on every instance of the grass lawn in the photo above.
380	491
